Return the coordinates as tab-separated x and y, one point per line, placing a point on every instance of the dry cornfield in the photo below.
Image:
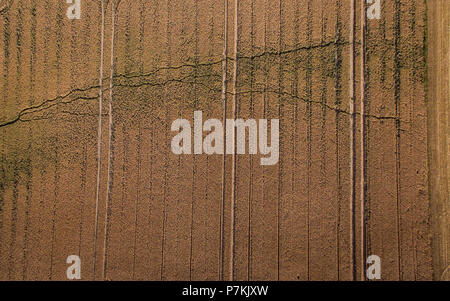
362	105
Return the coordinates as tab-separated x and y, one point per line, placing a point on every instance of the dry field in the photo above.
362	168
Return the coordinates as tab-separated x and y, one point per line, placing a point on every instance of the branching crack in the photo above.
49	103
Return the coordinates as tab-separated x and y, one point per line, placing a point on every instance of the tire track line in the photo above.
84	163
352	90
59	24
369	37
338	102
265	95
280	118
212	24
100	135
384	39
139	146
363	162
194	166
397	90
6	41
111	140
131	76
412	109
166	161
127	152
323	114
252	112
295	117
152	128
45	88
295	93
15	199
6	56
150	196
30	134
234	157
309	131
6	64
